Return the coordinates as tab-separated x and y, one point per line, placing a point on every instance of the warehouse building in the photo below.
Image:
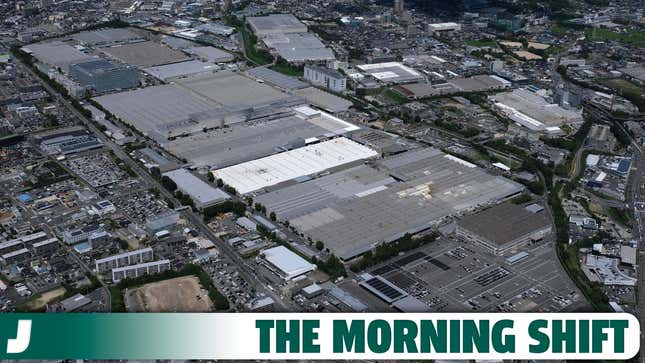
202	194
148	268
505	227
168	72
124	259
391	73
107	37
211	54
103	76
419	187
263	26
299	47
145	54
271	170
285	263
56	54
534	112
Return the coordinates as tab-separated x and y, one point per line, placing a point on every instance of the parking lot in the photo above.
452	276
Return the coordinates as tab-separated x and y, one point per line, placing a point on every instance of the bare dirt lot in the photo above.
181	294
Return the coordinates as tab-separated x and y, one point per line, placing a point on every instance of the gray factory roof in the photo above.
276	23
277	79
211	54
145	54
199	190
505	223
324	100
299	47
182	69
106	36
479	83
244	141
346	209
151	109
57	54
232	89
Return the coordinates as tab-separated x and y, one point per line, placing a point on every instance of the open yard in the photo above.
41	300
180	294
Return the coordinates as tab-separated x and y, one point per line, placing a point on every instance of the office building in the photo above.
326	77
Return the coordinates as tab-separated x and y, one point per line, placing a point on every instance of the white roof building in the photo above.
271	170
286	263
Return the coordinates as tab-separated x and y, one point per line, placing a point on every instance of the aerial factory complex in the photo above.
322	156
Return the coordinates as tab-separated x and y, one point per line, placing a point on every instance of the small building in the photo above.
70	304
628	255
202	193
265	304
326	77
286	263
312	291
504	227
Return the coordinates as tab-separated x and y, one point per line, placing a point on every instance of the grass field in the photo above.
602	35
41	300
180	294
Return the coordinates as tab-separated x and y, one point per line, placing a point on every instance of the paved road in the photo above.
635	198
245	272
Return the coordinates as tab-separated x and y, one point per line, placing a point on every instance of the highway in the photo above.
224	248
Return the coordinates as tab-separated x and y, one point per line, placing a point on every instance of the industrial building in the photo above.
210	54
202	193
124	259
308	160
444	27
324	100
391	73
168	72
276	79
142	269
285	263
106	37
249	137
505	227
263	26
102	75
534	112
70	144
299	47
420	188
145	54
56	54
326	77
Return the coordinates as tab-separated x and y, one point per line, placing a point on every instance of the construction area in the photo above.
181	294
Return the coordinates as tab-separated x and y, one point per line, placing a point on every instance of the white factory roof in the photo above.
388	70
201	192
271	170
288	262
